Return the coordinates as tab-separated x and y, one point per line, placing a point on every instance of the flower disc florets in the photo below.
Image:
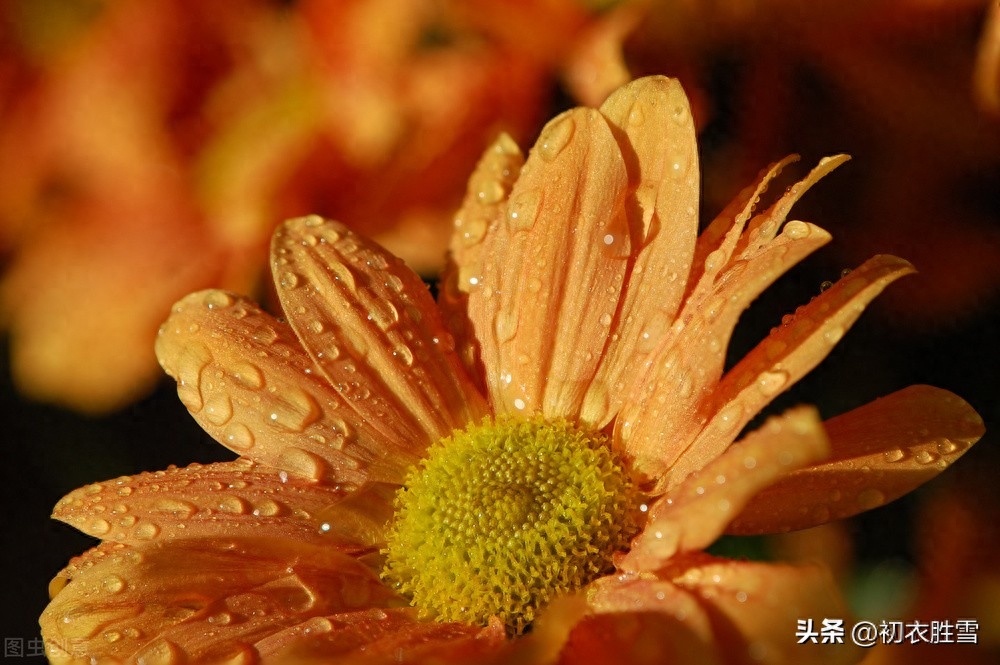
502	517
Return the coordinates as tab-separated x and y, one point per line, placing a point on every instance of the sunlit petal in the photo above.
881	451
194	598
483	206
244	377
370	325
555	265
652	120
785	356
694	514
222	499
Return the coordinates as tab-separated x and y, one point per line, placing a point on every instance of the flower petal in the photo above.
382	636
754	608
786	355
484	204
201	599
221	500
652	120
369	323
880	451
694	514
245	379
555	264
656	426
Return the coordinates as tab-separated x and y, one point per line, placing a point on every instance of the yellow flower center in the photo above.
503	516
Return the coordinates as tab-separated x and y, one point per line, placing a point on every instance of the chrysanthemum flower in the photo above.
560	423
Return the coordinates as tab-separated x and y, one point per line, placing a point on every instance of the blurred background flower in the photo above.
148	147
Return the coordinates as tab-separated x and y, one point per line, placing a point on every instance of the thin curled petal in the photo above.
555	265
370	325
660	419
483	206
790	352
246	380
383	636
652	121
212	500
694	514
881	451
201	599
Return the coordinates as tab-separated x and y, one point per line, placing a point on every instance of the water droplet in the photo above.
233	504
870	498
316	326
288	280
295	409
946	446
98	527
487	188
637	115
267	508
248	375
161	652
505	325
522	210
730	417
113	584
606	319
796	230
112	636
405	354
124	491
925	457
894	455
217	300
218	409
472	231
833	334
771	383
302	463
178	508
713	262
146	531
238	437
555	136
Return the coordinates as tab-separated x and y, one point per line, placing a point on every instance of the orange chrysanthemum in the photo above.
578	344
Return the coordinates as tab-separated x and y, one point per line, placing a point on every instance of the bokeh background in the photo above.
148	147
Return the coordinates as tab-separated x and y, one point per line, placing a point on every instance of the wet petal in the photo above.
881	451
484	205
200	599
694	514
368	320
786	355
227	499
656	426
545	302
382	636
244	377
652	120
754	608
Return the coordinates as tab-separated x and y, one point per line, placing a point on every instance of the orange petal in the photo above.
755	608
246	380
880	451
382	636
200	599
482	208
214	500
786	355
652	121
370	325
656	426
694	514
544	305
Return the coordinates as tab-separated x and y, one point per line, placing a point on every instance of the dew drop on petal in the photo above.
796	230
894	455
555	136
113	584
146	531
238	436
870	498
925	457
